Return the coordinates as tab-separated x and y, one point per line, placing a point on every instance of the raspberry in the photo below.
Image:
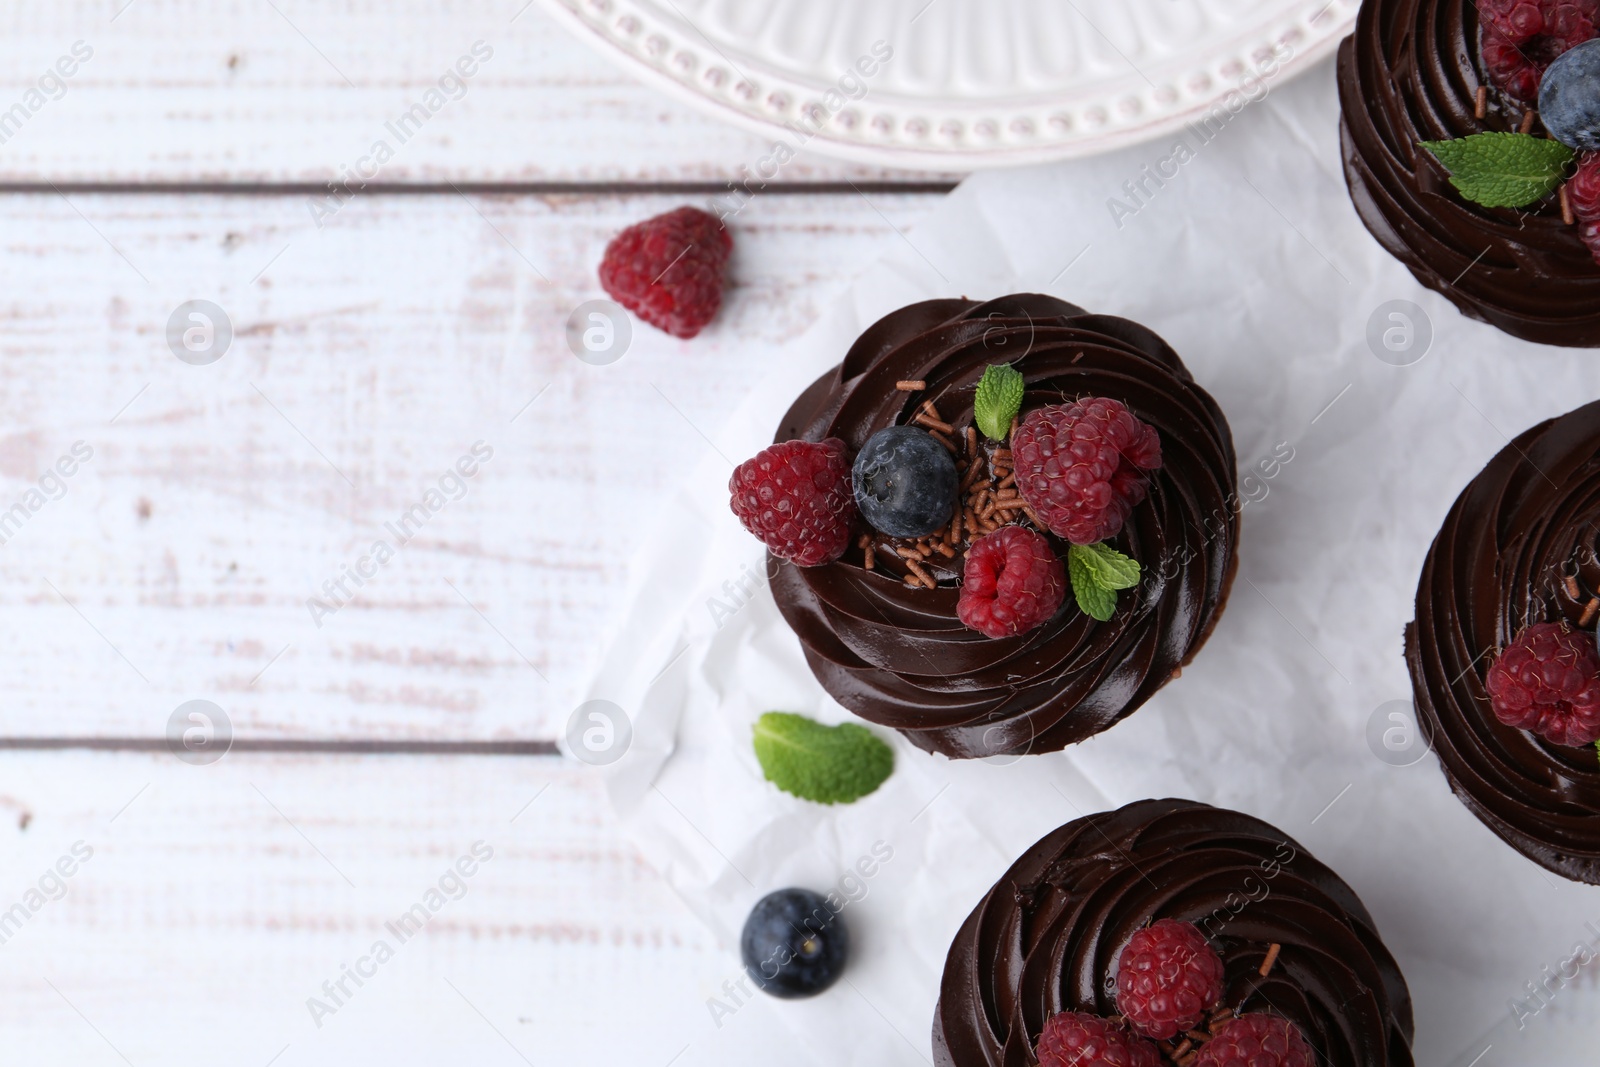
668	270
1521	38
1548	681
1257	1041
1168	977
1584	188
1589	234
1079	466
796	497
1013	581
1075	1039
1584	193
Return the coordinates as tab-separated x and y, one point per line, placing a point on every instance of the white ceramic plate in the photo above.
967	83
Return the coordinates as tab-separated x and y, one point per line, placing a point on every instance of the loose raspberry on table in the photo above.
1257	1041
796	498
1081	466
1583	192
1521	38
1013	581
668	270
1548	681
1076	1039
1168	978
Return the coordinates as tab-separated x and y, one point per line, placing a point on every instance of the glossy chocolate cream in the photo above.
1502	561
898	656
1045	939
1411	73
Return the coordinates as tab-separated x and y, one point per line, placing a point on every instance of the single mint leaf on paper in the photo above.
1503	169
825	764
998	401
1097	571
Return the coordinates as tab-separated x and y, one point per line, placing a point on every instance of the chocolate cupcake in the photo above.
1269	939
1442	71
1074	556
1511	585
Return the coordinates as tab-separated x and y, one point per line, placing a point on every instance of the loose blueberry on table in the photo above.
793	944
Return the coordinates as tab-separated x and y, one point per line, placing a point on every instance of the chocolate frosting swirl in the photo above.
1501	561
1046	938
898	656
1411	73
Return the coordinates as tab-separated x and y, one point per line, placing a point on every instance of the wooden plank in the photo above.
369	357
206	906
293	91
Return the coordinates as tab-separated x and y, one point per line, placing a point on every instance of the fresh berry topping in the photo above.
1584	187
1521	38
794	944
1075	1039
1080	466
1569	98
668	270
905	482
1168	977
1257	1041
1589	234
795	496
1583	192
1548	681
1013	581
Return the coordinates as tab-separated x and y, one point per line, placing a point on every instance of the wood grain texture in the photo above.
369	357
251	91
216	901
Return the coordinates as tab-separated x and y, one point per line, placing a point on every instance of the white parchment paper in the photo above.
1250	260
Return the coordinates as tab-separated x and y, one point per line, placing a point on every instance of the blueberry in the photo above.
793	944
1569	97
905	482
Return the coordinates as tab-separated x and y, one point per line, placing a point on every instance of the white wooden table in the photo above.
180	161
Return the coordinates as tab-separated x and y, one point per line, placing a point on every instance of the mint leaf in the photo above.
825	764
1111	568
1097	572
1503	169
1094	599
998	401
